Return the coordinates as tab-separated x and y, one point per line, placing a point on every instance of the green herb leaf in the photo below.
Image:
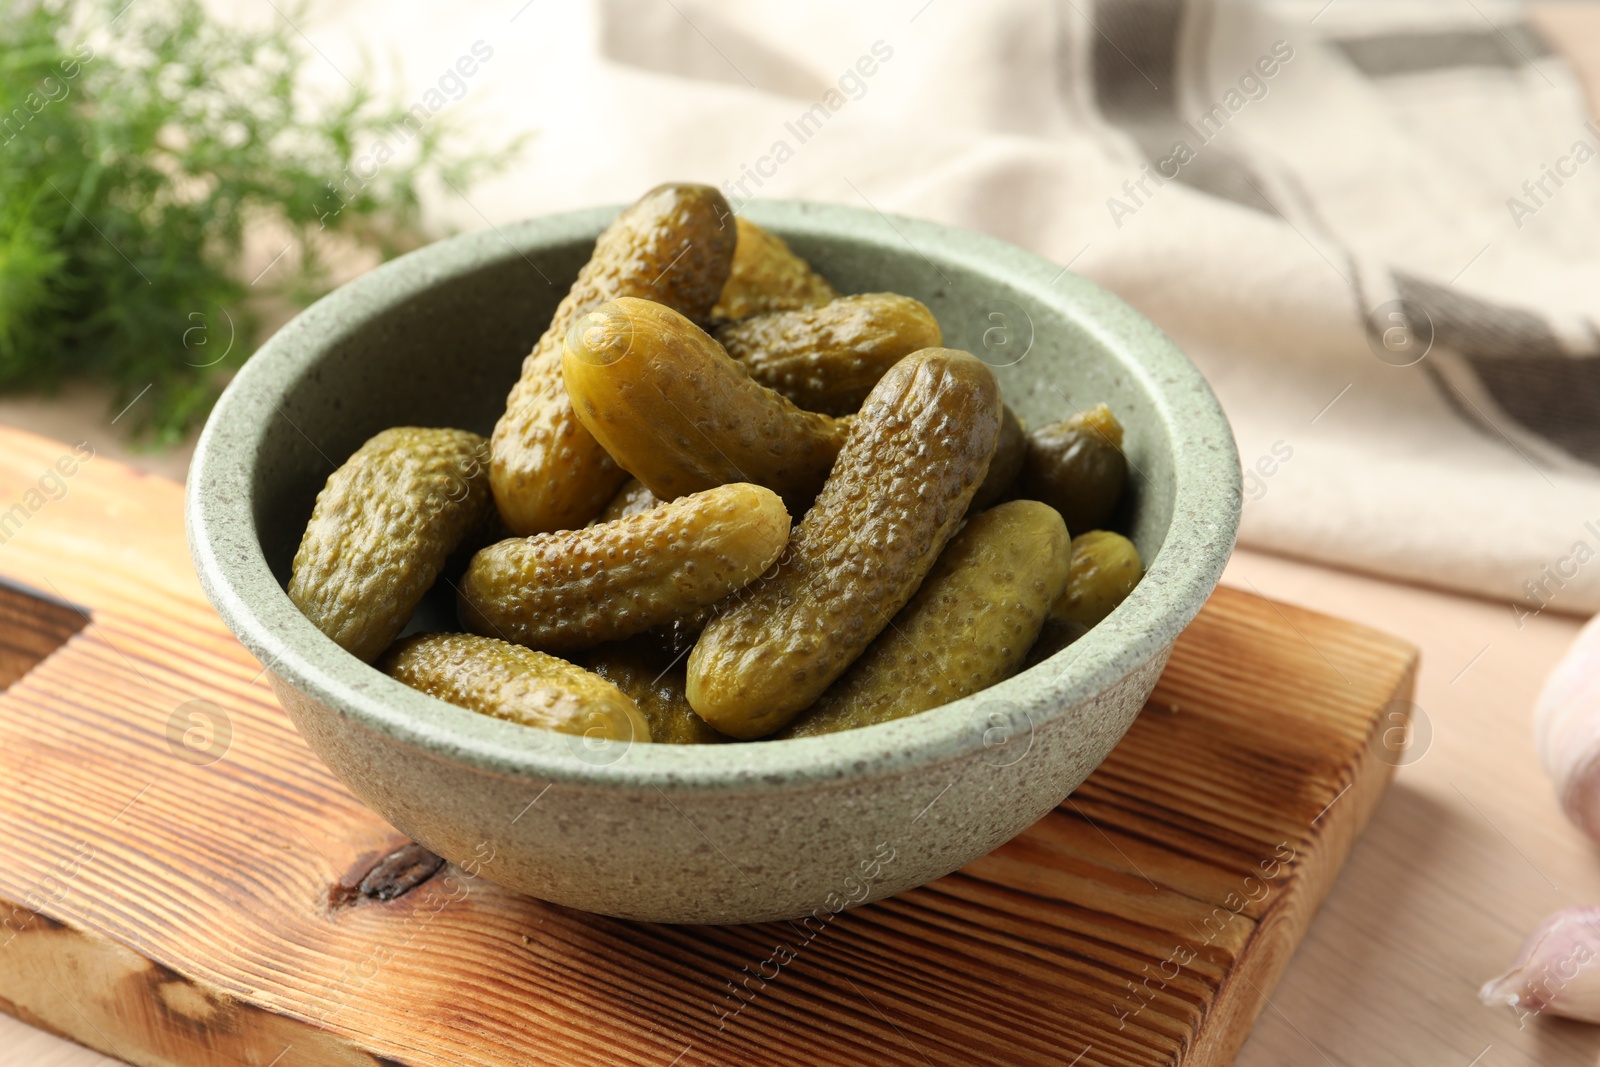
138	144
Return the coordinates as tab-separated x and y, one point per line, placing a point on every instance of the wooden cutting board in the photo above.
181	882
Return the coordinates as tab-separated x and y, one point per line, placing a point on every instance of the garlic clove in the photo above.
1556	971
1566	729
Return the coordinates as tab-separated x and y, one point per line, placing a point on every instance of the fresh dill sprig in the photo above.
138	143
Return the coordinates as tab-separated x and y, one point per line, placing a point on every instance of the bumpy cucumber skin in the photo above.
517	684
574	589
1105	569
681	415
654	677
675	245
1077	467
915	456
381	531
767	276
828	358
970	625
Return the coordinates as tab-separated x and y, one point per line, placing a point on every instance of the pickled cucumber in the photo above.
575	589
654	678
674	245
828	358
1006	467
767	276
682	416
970	625
915	456
517	684
633	498
1077	467
383	527
1105	568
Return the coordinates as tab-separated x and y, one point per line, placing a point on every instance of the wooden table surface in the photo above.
1467	852
1464	857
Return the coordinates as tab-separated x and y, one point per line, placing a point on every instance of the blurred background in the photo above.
1373	224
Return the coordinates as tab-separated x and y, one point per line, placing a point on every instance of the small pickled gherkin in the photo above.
655	678
633	498
914	458
828	358
517	684
767	276
574	589
382	529
1105	568
682	416
970	625
674	245
1077	467
1006	467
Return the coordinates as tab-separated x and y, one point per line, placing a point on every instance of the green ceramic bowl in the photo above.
724	833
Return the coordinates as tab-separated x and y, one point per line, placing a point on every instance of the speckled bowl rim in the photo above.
234	572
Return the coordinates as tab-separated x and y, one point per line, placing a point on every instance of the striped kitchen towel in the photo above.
1373	223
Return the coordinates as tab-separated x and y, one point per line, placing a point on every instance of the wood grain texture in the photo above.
1467	853
32	627
168	907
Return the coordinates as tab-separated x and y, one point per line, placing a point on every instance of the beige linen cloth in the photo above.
1372	224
